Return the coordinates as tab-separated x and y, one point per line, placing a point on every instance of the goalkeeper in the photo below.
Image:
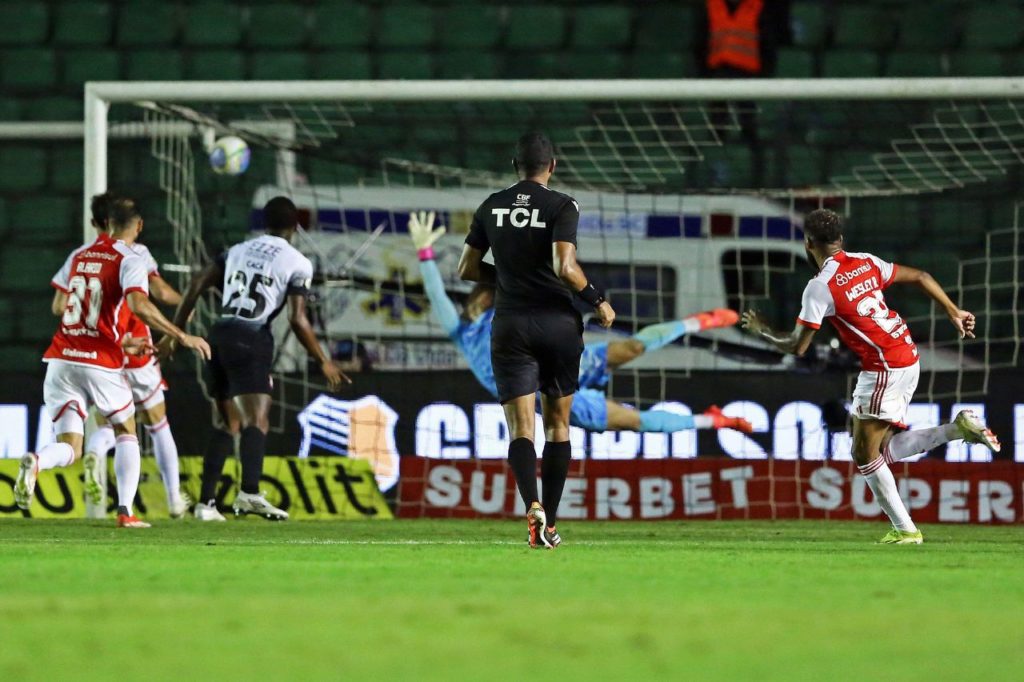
591	409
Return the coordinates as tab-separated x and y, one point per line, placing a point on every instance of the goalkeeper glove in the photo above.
423	233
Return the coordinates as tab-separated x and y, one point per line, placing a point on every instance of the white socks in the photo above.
910	443
166	453
883	485
55	455
703	421
127	467
101	440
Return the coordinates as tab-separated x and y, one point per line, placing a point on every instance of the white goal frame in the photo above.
99	95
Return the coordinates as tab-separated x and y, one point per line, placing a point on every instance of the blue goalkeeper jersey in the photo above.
474	340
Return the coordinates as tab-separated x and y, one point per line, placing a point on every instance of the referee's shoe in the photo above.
537	521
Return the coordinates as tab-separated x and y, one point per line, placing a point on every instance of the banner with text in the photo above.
313	488
935	492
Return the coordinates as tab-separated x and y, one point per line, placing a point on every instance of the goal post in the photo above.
692	191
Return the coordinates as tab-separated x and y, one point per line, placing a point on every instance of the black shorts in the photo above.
533	351
241	359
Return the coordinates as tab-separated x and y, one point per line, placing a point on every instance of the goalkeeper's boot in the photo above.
551	537
125	519
720	421
179	507
208	512
536	521
902	537
719	317
93	486
973	430
25	485
257	505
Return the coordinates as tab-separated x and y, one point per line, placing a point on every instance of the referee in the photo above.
537	335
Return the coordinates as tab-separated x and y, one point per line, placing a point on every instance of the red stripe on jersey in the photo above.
808	324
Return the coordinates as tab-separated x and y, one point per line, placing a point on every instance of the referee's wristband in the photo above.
591	295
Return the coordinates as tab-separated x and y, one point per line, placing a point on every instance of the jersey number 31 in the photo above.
78	287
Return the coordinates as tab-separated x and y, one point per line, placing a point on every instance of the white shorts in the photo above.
72	388
147	384
886	394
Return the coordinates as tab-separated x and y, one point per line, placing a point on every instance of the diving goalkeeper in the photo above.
591	409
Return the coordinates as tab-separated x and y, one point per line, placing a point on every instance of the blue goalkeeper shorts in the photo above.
589	410
594	365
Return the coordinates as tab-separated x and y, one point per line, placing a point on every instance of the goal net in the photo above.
692	196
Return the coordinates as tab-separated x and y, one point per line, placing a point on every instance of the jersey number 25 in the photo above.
245	290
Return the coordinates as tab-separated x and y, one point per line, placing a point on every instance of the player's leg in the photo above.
153	415
100	442
113	398
659	335
880	400
128	470
623	418
247	360
148	390
227	422
254	409
516	372
522	454
868	435
66	402
554	467
621	352
966	425
558	339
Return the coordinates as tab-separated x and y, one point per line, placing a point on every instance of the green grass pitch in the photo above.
455	600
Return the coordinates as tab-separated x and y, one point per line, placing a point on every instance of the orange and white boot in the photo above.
720	421
714	319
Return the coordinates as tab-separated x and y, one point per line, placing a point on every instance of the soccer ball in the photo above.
230	156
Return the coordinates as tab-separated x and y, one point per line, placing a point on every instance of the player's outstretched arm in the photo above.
208	277
147	312
572	275
796	342
961	319
162	291
307	337
423	235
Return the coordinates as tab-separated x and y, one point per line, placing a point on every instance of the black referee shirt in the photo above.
520	224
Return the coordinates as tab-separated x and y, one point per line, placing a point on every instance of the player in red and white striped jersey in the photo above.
848	292
141	370
86	357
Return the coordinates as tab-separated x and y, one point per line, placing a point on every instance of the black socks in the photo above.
252	447
522	457
554	468
220	447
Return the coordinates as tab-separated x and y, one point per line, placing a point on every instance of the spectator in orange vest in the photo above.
738	40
